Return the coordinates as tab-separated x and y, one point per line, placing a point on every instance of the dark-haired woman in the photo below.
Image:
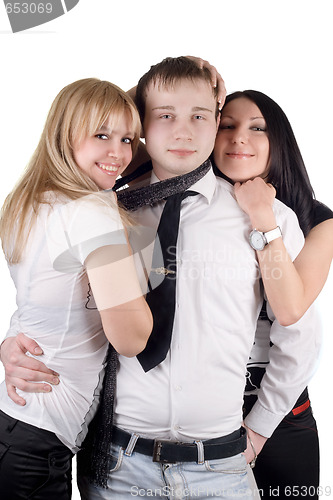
288	464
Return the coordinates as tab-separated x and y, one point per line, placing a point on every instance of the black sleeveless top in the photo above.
321	213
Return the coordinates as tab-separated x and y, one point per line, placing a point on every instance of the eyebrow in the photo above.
163	107
103	128
172	108
200	108
251	118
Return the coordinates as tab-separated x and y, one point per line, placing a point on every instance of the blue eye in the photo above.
127	140
103	137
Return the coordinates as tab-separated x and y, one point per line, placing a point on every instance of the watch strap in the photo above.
273	234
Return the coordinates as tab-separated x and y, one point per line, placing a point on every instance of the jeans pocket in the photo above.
231	465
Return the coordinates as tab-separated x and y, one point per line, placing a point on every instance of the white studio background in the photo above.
283	48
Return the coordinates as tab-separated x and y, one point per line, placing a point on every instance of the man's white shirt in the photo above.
197	391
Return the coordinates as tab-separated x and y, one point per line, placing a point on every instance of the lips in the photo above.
109	168
239	155
182	152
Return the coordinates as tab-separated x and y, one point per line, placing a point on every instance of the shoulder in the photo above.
281	209
79	227
224	185
287	220
285	215
224	192
86	217
321	213
88	206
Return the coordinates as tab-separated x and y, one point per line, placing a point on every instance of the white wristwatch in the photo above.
259	240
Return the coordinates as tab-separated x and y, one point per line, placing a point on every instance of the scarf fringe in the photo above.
94	457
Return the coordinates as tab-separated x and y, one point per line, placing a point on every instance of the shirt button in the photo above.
176	427
178	387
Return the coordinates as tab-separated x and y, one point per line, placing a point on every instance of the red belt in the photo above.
300	409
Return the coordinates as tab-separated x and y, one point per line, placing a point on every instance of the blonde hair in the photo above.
78	111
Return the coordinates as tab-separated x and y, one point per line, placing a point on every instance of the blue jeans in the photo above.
138	476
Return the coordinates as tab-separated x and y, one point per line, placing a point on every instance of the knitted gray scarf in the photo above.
93	459
149	195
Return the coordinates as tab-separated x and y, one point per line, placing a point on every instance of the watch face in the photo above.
257	240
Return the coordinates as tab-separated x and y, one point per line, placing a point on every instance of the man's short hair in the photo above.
167	73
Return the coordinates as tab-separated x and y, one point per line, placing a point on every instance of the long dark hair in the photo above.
287	172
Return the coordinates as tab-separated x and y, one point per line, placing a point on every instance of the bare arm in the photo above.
291	287
126	317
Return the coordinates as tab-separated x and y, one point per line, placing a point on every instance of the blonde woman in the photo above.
77	288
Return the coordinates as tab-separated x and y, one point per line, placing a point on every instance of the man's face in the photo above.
179	126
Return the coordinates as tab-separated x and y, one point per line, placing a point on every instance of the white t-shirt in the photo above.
55	307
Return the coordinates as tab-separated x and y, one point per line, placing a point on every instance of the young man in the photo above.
178	426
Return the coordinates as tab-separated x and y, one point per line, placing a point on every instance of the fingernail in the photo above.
38	350
47	388
55	381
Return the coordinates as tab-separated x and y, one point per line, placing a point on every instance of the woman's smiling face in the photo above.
105	155
241	149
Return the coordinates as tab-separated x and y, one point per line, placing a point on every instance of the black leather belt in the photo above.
176	451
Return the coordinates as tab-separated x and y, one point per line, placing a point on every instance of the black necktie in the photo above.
162	299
